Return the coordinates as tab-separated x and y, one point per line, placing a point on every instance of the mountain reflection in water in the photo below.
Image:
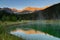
33	35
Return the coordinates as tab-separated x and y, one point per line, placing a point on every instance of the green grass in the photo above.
5	35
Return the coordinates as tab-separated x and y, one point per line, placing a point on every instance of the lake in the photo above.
33	35
37	30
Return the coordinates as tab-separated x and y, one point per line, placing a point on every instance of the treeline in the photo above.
8	15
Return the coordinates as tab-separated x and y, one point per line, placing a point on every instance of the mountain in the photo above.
52	12
28	10
32	8
29	13
7	10
14	9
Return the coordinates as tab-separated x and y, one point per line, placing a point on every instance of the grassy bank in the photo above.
4	35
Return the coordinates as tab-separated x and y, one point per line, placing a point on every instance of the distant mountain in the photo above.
7	10
14	9
32	9
23	11
28	10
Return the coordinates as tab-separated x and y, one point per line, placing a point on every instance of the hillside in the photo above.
53	12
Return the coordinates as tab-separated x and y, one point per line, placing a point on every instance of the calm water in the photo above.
50	27
33	35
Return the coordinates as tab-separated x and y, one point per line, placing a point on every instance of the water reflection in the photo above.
28	31
33	35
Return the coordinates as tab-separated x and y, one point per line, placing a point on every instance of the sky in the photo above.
20	4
